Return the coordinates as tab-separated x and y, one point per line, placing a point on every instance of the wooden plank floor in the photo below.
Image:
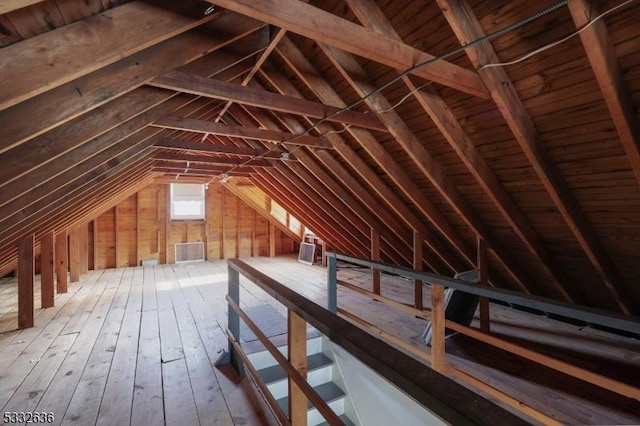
128	346
138	346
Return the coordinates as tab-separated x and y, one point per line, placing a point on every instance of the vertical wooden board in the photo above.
126	228
297	351
437	328
230	226
25	282
47	267
214	221
74	255
106	240
62	262
245	229
92	244
148	213
83	239
262	236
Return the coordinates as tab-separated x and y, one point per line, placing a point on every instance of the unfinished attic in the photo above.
315	212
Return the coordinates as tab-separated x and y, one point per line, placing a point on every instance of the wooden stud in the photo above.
83	236
74	254
223	238
272	240
375	255
137	213
62	262
483	268
25	282
297	349
437	328
417	265
47	266
94	241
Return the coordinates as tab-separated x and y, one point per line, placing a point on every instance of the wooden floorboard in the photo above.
140	345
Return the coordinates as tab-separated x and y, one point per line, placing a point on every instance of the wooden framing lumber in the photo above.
604	62
210	159
297	354
217	89
25	282
323	27
47	268
64	103
357	78
466	26
74	254
370	15
62	262
209	127
217	148
325	93
11	5
114	34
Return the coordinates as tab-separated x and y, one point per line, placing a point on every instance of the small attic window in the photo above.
187	201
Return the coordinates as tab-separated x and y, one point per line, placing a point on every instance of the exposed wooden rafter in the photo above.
244	132
602	55
317	24
370	15
114	34
201	86
466	26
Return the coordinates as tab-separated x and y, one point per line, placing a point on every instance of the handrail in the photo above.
441	395
309	392
583	313
550	362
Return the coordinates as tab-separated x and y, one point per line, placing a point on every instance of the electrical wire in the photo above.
442	57
557	42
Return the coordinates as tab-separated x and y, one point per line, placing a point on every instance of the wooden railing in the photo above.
436	356
442	396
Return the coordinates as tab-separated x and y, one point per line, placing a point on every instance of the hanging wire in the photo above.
431	61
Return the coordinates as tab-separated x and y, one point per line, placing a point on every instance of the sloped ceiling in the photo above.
539	158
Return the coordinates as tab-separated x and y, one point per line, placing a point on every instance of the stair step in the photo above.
347	421
276	373
328	391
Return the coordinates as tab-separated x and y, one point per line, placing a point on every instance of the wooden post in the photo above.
233	320
95	244
47	262
332	284
26	272
417	265
253	232
62	262
84	249
297	348
223	233
138	257
237	227
375	255
484	275
74	254
116	243
272	240
437	328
